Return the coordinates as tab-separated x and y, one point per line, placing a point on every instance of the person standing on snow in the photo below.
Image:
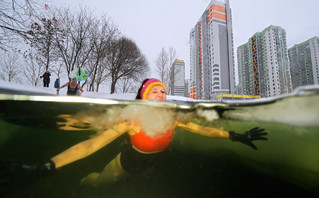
46	78
57	84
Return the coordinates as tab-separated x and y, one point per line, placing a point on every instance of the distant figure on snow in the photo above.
73	88
57	84
46	78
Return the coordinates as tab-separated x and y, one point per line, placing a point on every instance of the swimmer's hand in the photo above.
43	168
249	136
10	167
14	176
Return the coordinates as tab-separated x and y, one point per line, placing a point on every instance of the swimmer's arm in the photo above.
204	131
86	148
66	84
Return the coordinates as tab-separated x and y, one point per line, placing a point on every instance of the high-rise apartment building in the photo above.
304	63
211	53
187	90
263	64
178	84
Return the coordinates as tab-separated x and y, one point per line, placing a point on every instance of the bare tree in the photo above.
10	67
164	67
42	32
124	60
13	17
161	65
101	74
75	44
32	68
128	85
171	71
102	33
58	69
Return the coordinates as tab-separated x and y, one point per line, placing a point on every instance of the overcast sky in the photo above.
154	24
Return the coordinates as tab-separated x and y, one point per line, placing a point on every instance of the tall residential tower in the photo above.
211	53
263	64
178	84
304	63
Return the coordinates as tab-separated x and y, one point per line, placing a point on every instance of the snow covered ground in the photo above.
52	91
28	89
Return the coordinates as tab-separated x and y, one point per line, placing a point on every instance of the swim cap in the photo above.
148	85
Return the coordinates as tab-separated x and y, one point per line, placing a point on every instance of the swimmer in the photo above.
143	149
73	88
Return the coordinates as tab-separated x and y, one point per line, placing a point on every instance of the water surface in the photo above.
286	164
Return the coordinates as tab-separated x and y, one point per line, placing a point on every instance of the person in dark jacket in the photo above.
46	78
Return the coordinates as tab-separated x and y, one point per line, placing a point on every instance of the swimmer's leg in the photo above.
112	172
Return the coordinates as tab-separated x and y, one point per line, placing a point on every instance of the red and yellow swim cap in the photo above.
148	85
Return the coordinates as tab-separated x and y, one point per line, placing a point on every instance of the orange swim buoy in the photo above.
145	144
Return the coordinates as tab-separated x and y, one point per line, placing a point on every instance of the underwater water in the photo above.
34	129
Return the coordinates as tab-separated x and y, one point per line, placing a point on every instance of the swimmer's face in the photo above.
157	93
